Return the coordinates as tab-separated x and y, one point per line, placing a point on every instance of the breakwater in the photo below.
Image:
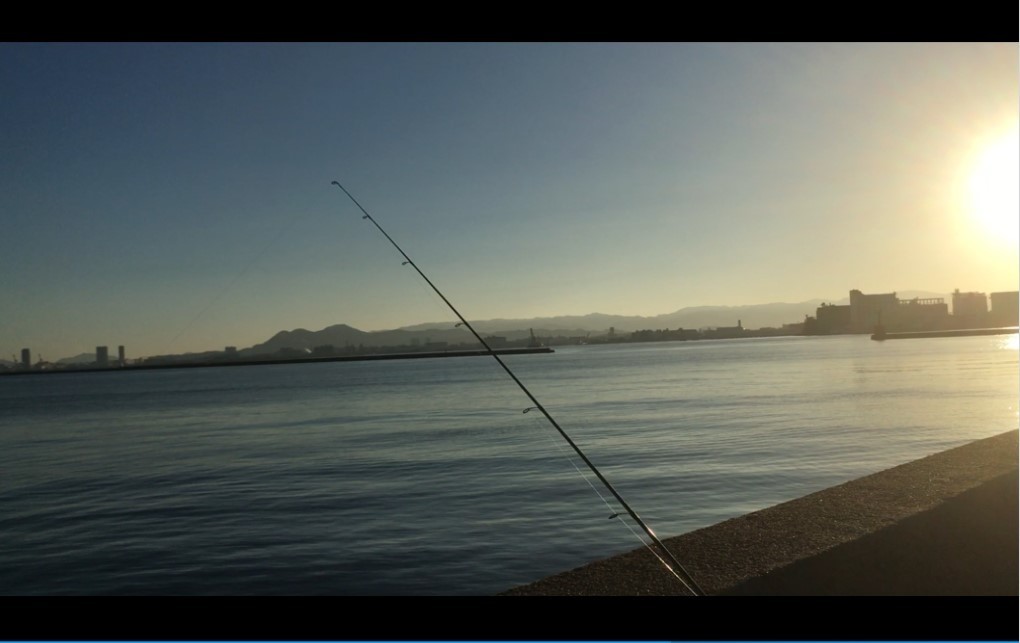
964	332
297	360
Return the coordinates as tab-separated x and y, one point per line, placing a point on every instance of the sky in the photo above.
175	197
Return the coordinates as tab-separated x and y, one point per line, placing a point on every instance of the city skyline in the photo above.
992	302
176	197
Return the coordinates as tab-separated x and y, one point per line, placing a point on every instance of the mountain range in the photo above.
695	317
341	335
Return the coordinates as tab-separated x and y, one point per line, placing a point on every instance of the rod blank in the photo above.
673	565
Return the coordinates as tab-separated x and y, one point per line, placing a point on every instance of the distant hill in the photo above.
693	317
754	316
81	358
342	335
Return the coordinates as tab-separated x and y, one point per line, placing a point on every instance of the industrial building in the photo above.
1005	308
868	311
921	314
969	304
830	320
865	312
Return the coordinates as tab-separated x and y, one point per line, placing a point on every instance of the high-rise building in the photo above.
26	359
832	320
867	311
970	309
120	355
921	314
102	355
969	303
1006	308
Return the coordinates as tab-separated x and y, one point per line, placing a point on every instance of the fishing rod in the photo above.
673	565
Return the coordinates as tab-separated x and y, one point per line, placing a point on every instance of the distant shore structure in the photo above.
881	335
97	368
1006	306
866	312
969	303
863	315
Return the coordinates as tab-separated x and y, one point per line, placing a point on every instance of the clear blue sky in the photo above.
177	197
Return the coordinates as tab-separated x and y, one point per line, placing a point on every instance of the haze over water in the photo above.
424	477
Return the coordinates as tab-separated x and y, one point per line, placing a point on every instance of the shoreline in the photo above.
945	524
881	335
290	360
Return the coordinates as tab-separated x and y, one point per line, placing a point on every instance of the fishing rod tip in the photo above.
336	183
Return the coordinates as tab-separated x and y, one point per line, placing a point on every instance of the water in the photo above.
424	477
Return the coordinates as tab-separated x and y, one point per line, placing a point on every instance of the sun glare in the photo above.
1011	342
994	188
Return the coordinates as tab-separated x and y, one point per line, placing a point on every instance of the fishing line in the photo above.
673	565
219	295
444	321
615	514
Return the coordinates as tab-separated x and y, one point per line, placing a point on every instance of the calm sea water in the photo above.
424	476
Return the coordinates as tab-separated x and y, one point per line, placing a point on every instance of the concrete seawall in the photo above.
946	524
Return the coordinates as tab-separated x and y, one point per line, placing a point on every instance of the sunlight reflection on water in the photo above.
1010	342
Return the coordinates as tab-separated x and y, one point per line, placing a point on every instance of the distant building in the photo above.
969	303
121	355
865	312
1005	308
868	311
920	314
102	355
725	332
26	358
894	314
795	328
231	351
831	320
970	309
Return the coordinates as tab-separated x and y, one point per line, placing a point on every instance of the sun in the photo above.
994	189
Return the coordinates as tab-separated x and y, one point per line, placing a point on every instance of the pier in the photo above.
965	332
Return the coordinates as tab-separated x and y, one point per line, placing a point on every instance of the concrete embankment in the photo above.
946	524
